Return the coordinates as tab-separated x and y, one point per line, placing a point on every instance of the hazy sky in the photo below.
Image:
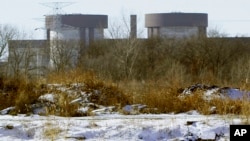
227	16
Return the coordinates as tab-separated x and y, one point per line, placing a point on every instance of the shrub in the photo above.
19	93
101	92
104	94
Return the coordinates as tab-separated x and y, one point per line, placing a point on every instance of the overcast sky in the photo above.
227	16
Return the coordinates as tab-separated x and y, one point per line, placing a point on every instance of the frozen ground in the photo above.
114	127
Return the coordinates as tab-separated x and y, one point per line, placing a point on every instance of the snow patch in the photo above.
47	98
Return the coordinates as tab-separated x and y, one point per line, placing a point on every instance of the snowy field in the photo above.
114	127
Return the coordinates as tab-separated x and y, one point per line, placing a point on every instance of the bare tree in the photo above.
21	54
216	33
63	54
22	58
7	33
125	53
126	48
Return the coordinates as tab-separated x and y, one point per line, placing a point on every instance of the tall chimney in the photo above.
48	34
133	26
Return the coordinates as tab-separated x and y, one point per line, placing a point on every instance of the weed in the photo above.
51	131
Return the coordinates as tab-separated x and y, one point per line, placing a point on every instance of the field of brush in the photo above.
133	90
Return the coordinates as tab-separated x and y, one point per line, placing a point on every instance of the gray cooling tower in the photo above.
176	24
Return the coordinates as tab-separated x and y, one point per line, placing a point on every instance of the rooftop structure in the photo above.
76	26
176	25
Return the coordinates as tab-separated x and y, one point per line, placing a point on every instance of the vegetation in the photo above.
146	71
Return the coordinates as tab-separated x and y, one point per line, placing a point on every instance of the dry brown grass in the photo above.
164	97
160	68
167	99
110	94
19	93
162	94
63	106
51	130
69	77
101	92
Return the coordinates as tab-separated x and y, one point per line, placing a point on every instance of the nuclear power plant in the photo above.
176	25
85	28
79	30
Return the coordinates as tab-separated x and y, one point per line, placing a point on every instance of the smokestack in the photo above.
48	34
133	26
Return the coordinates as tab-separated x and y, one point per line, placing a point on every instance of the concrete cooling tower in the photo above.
176	25
76	27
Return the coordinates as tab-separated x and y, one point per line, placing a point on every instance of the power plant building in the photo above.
176	25
68	34
28	57
85	28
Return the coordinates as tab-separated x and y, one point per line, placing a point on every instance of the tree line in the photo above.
191	60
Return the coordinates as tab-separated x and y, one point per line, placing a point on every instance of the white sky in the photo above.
227	16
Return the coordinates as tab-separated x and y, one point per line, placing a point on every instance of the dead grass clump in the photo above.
25	97
229	106
221	106
163	99
19	93
8	90
100	92
105	94
69	77
168	100
63	104
195	101
51	131
64	107
245	108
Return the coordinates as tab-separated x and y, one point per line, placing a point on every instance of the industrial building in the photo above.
28	57
68	34
76	27
176	25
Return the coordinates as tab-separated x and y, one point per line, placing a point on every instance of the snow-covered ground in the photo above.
144	127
